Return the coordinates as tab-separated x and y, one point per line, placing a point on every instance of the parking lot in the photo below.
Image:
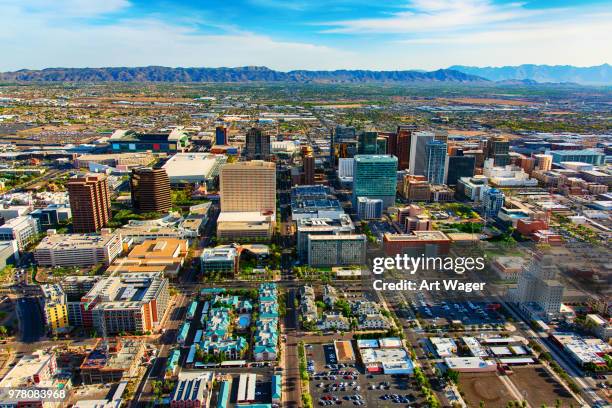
349	384
445	312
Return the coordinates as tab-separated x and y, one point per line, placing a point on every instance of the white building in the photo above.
21	229
369	208
77	249
507	176
333	321
345	170
193	167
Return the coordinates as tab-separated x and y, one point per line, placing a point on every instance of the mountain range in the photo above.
239	74
596	75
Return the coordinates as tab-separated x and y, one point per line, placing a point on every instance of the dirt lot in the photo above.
486	387
540	388
487	101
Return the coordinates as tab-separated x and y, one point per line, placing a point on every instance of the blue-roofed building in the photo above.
211	291
191	355
192	310
314	202
585	156
265	345
277	392
183	331
172	363
224	394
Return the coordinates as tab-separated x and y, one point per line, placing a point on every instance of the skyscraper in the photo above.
418	145
539	292
402	145
435	165
89	202
150	190
492	201
344	133
367	143
375	176
221	135
308	164
459	166
381	145
248	187
498	149
257	145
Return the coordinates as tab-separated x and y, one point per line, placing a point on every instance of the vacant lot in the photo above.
540	388
485	387
486	101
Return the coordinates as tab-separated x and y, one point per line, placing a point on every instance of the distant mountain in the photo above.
239	74
597	75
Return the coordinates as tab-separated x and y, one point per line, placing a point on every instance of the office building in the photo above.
341	225
150	190
194	168
22	229
543	162
428	243
336	250
418	152
416	188
176	140
344	133
593	157
374	176
257	145
165	255
369	209
459	166
221	259
381	145
507	176
130	302
498	149
52	215
539	292
308	165
435	165
89	202
221	135
54	306
472	187
77	249
345	170
9	253
492	202
248	187
367	143
402	145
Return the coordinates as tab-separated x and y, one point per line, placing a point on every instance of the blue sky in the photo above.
303	34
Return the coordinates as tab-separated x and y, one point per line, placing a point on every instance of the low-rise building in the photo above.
22	229
54	306
165	255
336	250
431	243
112	361
333	321
77	249
9	253
223	259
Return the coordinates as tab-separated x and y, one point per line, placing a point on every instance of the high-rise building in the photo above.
498	149
441	135
257	144
539	292
543	162
308	164
248	187
459	166
369	209
435	165
402	145
416	188
54	305
344	133
381	145
418	152
492	202
150	190
221	135
89	202
374	176
367	143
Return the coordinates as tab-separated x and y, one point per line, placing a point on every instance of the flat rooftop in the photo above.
204	165
75	241
418	236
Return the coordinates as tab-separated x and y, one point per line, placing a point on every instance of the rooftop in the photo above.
75	241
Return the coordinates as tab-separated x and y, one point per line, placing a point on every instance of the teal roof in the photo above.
276	386
223	397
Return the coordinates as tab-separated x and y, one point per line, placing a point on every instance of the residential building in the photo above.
150	189
435	164
130	302
22	229
336	250
492	202
539	292
333	322
89	202
257	145
374	176
418	152
54	305
369	209
77	249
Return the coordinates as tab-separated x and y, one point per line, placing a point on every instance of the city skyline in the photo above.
350	34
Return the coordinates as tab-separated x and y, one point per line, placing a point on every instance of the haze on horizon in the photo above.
303	34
